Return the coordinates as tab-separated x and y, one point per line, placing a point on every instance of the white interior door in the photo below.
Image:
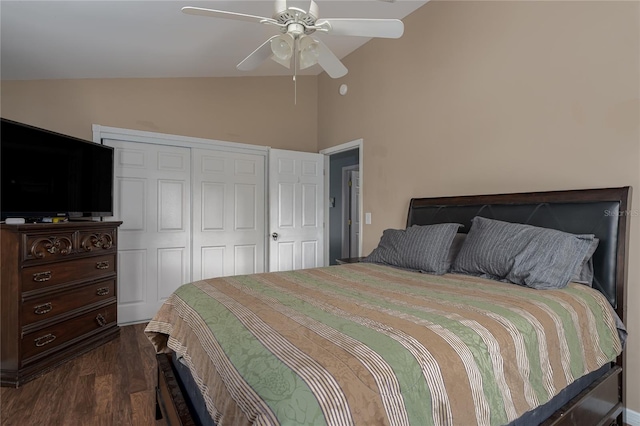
296	210
152	197
228	213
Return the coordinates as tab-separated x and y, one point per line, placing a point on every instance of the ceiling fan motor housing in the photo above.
296	30
293	15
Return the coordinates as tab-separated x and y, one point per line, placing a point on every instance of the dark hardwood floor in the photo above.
111	385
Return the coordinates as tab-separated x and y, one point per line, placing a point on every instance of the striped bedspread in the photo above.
368	344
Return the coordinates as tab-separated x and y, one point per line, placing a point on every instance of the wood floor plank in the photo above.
113	384
104	395
25	396
143	404
148	355
121	402
84	402
137	380
8	398
58	405
42	409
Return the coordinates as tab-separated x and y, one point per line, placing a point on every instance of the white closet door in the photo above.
296	210
152	197
228	213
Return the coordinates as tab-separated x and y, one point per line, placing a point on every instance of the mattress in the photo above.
370	344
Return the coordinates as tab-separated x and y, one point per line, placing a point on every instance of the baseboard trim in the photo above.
632	418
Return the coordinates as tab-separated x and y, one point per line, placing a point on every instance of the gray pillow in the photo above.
421	248
584	274
528	255
456	245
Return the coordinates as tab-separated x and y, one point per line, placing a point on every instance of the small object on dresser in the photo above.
14	221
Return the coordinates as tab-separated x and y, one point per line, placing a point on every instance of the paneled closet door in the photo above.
228	213
152	197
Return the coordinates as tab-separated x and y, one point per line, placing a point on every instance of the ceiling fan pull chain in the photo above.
295	70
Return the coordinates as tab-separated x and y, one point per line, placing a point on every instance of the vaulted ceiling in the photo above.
142	39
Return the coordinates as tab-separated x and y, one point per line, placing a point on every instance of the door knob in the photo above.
274	236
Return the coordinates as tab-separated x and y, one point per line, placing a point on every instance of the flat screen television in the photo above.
48	174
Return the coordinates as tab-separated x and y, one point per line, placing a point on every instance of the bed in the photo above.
378	342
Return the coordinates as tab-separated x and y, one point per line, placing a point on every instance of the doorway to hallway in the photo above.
344	201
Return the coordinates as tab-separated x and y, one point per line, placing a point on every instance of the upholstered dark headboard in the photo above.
603	212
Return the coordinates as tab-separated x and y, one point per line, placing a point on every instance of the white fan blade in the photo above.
256	57
314	11
384	28
280	6
330	62
224	14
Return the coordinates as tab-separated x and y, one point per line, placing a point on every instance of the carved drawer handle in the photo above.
43	309
101	320
42	276
102	265
102	291
45	340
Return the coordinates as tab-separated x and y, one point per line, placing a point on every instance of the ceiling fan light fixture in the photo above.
284	62
308	52
282	48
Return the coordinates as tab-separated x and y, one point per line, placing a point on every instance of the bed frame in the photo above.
603	212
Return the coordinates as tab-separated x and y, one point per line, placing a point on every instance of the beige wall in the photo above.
492	97
253	110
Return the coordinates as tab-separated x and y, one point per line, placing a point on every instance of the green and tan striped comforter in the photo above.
372	345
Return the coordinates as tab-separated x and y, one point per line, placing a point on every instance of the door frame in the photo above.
346	206
328	152
115	133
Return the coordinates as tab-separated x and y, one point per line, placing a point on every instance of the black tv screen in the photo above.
47	174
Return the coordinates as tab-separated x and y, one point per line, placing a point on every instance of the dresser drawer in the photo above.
97	240
47	246
46	307
56	335
42	276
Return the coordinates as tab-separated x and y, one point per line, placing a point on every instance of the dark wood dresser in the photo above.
58	294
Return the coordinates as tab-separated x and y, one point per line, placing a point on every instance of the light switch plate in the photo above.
367	218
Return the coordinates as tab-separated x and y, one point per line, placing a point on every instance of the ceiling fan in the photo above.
295	42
